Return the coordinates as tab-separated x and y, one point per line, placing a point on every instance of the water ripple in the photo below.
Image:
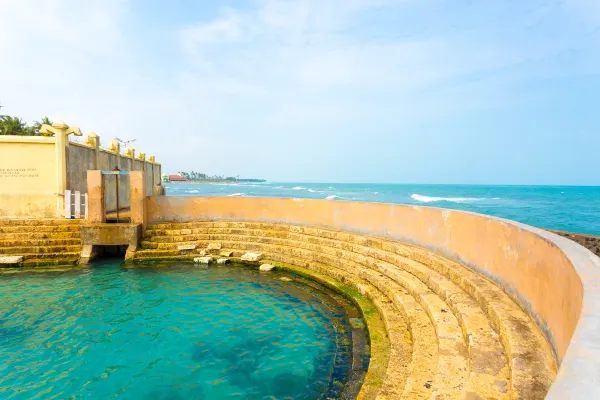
177	333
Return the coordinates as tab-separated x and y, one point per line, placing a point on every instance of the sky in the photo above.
399	91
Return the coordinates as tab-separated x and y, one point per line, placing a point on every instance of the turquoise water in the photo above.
569	208
181	332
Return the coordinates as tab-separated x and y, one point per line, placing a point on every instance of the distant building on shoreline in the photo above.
177	178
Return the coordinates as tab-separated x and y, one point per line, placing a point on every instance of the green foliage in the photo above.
199	176
16	126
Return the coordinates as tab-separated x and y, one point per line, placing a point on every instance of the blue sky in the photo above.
415	91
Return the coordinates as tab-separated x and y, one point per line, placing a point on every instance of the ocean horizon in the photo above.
566	208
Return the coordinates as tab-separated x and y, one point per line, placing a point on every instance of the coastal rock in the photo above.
223	261
266	267
202	253
203	260
285	279
254	257
184	247
226	253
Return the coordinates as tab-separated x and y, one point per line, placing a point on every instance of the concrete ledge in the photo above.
27	139
111	234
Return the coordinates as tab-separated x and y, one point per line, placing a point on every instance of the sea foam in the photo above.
235	194
429	199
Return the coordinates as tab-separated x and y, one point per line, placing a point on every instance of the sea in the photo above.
566	208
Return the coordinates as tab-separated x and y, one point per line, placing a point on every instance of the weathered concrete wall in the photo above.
81	157
547	274
27	176
35	172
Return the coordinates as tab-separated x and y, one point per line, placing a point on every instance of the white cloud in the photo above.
225	29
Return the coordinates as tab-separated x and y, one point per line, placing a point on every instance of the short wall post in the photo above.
137	190
95	206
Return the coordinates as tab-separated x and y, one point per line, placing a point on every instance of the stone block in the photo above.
11	261
184	247
214	246
266	267
203	260
226	253
186	232
254	257
223	261
111	234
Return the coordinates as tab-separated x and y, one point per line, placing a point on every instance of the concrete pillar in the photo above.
60	147
96	201
61	132
151	161
137	197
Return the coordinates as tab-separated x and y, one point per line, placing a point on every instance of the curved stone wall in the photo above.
554	279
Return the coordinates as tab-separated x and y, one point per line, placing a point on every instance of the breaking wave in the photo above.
235	194
298	188
428	199
332	197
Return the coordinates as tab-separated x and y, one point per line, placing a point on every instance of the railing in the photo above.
75	202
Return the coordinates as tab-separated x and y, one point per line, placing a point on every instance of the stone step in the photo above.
398	365
276	231
39	242
40	249
39	228
39	235
424	359
39	221
530	379
10	261
51	256
47	262
452	371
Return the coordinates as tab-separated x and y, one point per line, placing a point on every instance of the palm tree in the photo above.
16	126
13	126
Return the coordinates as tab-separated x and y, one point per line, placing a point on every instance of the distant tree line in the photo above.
16	126
199	176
